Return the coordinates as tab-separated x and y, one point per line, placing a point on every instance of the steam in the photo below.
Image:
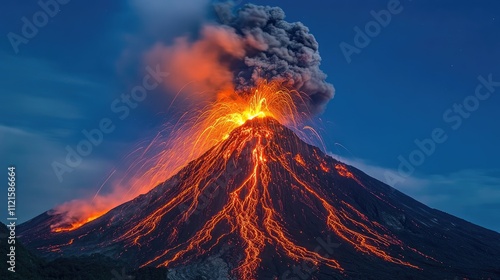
253	43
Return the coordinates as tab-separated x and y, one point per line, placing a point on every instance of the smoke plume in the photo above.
224	61
248	45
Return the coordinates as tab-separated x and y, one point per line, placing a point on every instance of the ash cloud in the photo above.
245	46
277	49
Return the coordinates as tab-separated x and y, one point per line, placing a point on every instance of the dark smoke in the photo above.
277	49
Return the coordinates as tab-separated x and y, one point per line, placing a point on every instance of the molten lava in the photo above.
252	216
240	133
193	134
77	224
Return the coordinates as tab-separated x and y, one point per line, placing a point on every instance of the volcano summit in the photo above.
263	204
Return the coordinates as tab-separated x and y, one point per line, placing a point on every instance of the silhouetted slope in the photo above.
31	267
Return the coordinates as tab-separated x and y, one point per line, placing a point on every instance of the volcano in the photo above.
263	204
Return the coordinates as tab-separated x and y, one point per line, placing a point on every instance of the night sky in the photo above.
415	78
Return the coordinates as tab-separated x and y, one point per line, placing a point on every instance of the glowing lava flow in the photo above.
77	224
172	148
250	215
240	213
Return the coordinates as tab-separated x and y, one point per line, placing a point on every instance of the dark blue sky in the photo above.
394	90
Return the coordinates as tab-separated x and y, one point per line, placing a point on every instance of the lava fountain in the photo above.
191	136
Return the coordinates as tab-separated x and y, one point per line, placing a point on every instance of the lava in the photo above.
76	224
248	215
176	145
250	211
241	212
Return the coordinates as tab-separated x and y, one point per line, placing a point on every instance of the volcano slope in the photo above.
263	204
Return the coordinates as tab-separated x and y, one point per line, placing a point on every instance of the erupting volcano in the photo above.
233	191
231	186
263	204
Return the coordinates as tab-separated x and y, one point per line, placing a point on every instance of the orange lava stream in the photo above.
241	213
366	240
250	213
